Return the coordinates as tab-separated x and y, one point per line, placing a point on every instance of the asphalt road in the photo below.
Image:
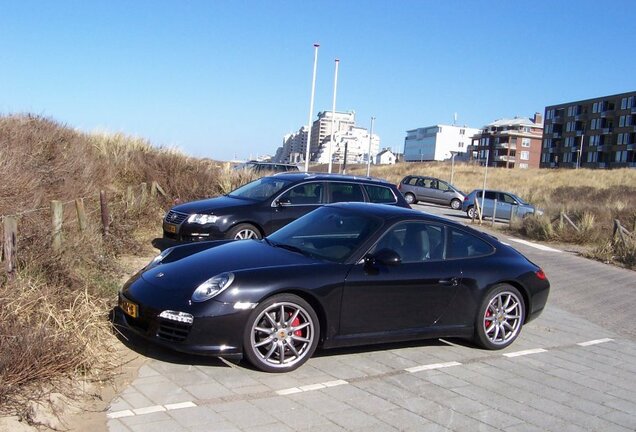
574	368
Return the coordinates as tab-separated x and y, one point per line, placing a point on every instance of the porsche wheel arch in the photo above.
313	302
524	294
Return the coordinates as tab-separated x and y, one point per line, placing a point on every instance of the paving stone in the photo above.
496	418
195	416
402	419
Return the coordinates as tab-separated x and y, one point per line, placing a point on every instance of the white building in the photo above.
385	157
321	128
293	148
437	142
356	142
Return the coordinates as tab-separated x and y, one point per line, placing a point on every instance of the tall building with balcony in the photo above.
591	133
510	143
437	143
293	148
321	128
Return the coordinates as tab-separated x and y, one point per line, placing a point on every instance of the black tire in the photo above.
275	345
471	212
500	317
244	231
410	198
456	204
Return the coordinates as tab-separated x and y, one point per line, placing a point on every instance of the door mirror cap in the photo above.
387	257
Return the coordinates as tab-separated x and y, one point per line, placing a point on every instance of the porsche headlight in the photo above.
202	219
212	287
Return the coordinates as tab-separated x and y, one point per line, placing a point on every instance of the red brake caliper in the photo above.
488	314
295	323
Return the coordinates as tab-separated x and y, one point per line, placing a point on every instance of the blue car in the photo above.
504	205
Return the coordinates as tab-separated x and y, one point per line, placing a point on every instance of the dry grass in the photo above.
53	316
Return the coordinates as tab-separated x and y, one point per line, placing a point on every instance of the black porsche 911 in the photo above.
345	274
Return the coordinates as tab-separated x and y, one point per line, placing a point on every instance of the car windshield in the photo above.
520	200
328	233
260	189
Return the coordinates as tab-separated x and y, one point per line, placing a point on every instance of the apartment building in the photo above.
437	142
293	148
354	141
591	133
510	143
321	128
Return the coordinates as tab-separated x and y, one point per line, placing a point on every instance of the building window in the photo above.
547	143
624	103
524	155
549	114
548	128
621	156
523	165
543	157
462	131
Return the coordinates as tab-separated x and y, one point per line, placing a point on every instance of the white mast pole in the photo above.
311	107
333	115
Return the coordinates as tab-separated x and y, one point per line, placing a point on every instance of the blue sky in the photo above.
225	79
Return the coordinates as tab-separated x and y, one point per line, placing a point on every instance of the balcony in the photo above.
579	117
633	110
580	133
606	130
556	135
505	158
506	146
631	146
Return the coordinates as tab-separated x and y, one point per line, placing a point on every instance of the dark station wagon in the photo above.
261	207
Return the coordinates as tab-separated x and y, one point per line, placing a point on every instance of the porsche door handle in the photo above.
451	281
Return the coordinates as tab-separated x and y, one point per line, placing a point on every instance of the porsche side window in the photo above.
414	242
464	245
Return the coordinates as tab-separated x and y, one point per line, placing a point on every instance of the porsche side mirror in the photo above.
385	256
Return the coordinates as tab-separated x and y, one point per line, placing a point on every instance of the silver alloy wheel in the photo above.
282	335
471	212
502	318
246	234
456	204
410	198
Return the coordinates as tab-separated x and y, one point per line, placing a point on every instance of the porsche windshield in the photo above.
261	189
328	233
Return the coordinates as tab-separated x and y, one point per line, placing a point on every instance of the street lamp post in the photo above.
369	154
453	154
578	159
333	116
311	106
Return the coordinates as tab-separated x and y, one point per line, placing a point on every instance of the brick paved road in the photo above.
574	368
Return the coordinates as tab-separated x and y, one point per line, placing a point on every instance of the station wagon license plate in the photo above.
129	308
171	228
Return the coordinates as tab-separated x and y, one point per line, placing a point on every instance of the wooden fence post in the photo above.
130	198
144	194
10	245
81	214
155	189
105	215
57	215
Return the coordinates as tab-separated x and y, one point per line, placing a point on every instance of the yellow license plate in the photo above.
129	308
171	228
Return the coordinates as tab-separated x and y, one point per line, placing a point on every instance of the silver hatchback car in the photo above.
430	189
